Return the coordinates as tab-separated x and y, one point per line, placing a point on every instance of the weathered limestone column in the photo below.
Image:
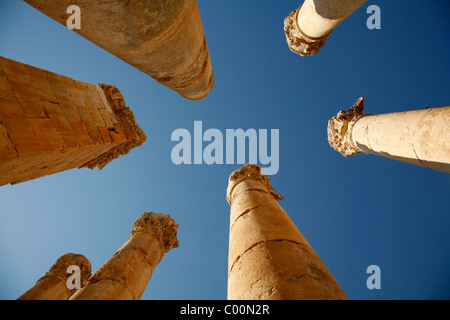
51	123
126	274
53	286
308	27
269	259
420	137
162	38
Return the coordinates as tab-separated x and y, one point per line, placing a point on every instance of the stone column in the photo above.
53	286
126	274
269	259
162	38
420	137
308	27
50	123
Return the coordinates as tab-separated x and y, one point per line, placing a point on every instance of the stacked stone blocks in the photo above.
51	123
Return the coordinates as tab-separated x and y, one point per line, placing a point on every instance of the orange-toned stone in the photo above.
51	123
53	286
126	274
162	38
268	257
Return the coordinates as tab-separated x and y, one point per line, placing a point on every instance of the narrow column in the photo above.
308	27
269	259
53	286
162	38
420	137
51	123
126	274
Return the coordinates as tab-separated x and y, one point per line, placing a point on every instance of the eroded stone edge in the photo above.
339	129
162	226
250	171
134	134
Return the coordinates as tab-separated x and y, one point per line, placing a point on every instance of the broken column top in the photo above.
250	171
163	226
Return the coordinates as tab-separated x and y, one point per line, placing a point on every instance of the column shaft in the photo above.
162	38
268	256
53	286
47	288
126	274
51	123
420	137
308	27
317	18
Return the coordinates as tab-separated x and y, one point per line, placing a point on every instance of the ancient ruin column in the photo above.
51	123
269	259
126	274
420	137
162	38
53	286
308	27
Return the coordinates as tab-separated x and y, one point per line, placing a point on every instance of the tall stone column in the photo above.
308	27
420	137
162	38
126	274
51	123
269	259
53	286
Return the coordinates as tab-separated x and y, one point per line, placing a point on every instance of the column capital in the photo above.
163	226
129	127
59	269
297	40
250	171
340	129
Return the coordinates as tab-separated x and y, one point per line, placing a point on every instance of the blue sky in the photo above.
355	212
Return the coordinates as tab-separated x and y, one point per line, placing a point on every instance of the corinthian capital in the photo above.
340	129
59	269
250	171
297	40
163	226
